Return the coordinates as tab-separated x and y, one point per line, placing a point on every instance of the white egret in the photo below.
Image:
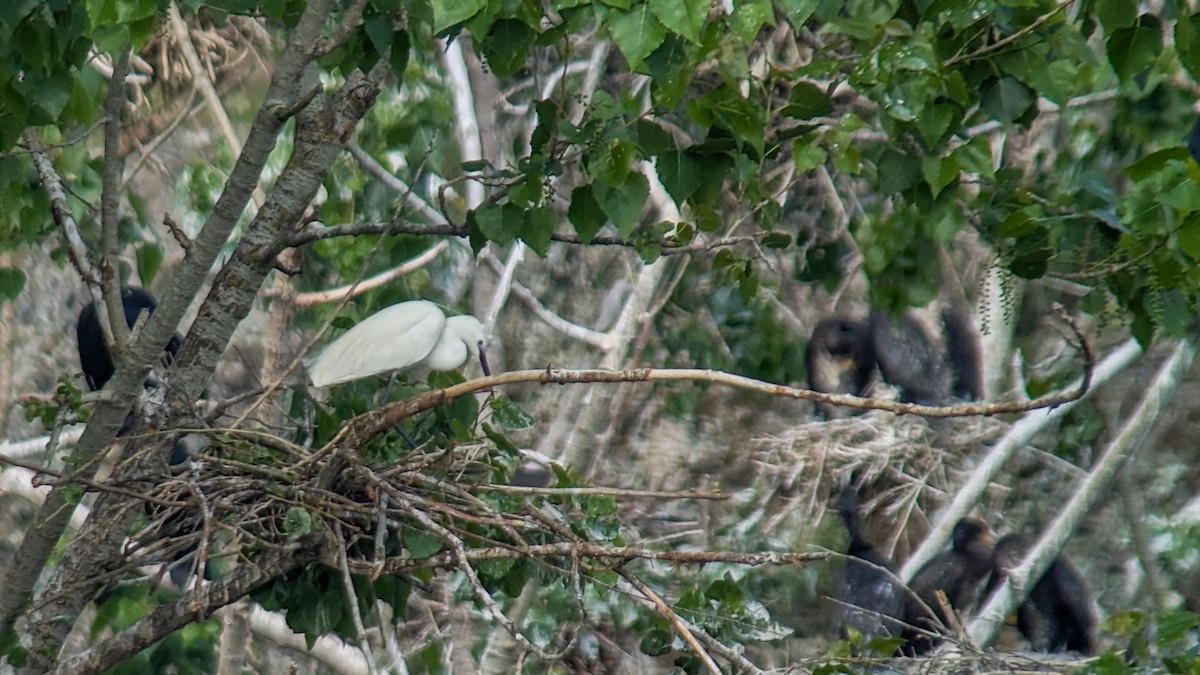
405	335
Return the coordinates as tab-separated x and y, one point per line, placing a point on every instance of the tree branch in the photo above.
983	629
1017	438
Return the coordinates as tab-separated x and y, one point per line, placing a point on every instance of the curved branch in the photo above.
358	430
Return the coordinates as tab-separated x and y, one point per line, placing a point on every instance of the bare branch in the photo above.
351	290
983	629
672	618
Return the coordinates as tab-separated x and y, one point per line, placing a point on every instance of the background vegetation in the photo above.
610	185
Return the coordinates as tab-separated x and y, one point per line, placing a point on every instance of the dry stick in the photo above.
1017	437
462	562
610	491
355	611
94	485
674	619
568	549
201	81
983	629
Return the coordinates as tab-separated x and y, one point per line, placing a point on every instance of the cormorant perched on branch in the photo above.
1057	616
910	358
867	596
839	360
927	368
94	357
958	573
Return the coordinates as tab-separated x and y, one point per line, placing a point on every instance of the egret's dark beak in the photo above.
487	372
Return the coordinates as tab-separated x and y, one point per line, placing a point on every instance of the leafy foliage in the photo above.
759	121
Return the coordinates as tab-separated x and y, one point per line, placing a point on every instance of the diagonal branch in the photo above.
983	629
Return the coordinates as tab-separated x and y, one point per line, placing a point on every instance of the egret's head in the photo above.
470	330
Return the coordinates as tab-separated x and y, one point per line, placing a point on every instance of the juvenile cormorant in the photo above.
839	360
867	597
1057	616
958	573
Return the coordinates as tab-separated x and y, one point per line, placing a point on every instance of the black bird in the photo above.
910	358
1057	616
839	359
867	596
965	354
958	573
93	351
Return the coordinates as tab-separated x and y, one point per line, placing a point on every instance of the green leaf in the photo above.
509	415
748	17
935	122
12	282
637	33
378	28
494	568
1109	663
149	260
807	154
585	213
500	224
1188	236
624	205
685	17
656	642
898	171
797	11
398	57
612	162
1133	49
447	13
777	240
421	544
807	101
1154	162
502	442
1007	99
1187	42
939	172
506	46
680	175
539	228
1114	14
547	119
299	523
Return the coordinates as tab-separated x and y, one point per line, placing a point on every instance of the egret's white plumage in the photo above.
405	335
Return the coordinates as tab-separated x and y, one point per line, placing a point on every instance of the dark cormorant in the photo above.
867	596
958	573
1057	616
910	358
839	360
965	354
94	357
